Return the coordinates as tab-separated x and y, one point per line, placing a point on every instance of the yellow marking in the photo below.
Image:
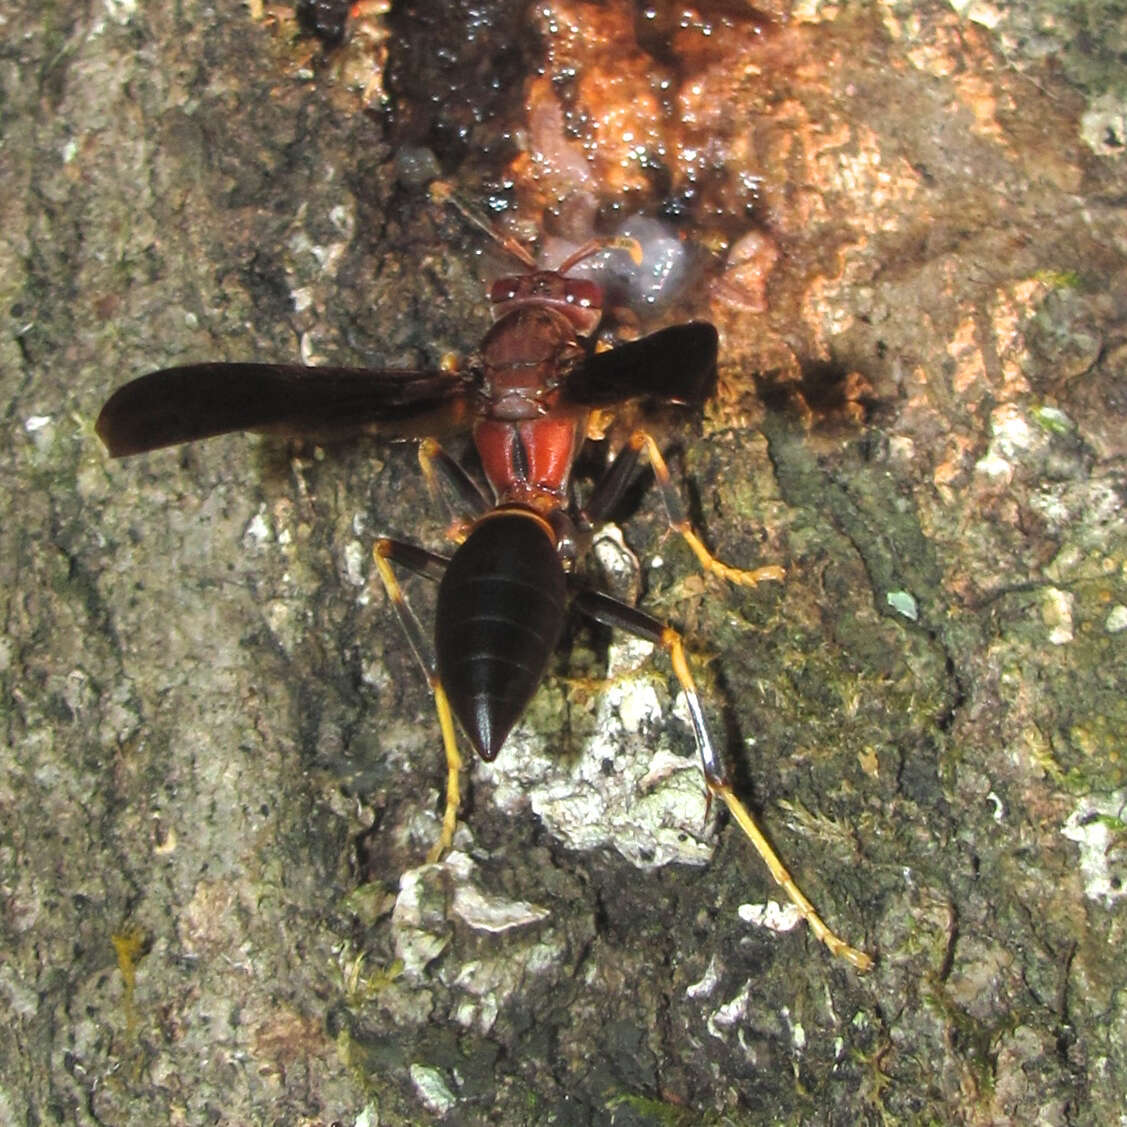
380	557
445	718
635	250
621	242
453	767
593	246
740	576
785	881
429	449
505	511
129	946
458	530
672	642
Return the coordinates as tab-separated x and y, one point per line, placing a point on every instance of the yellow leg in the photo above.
718	784
442	192
422	648
680	524
779	871
466	502
740	576
453	767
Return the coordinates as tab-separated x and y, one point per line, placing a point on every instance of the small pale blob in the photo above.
903	603
1056	613
432	1089
1097	825
775	917
708	982
743	285
1116	620
482	912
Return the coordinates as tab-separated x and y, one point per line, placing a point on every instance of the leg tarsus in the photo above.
430	565
614	482
718	784
680	524
603	608
786	882
742	577
461	497
453	768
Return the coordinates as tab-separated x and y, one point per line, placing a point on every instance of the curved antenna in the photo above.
443	192
603	242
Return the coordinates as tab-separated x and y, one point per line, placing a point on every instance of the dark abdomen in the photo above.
501	607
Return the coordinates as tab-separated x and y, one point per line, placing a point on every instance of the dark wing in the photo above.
674	365
200	400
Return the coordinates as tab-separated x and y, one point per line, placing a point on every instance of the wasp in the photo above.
529	394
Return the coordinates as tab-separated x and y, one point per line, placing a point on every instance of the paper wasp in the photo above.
528	395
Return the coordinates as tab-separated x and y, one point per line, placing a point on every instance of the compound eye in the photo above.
506	289
584	293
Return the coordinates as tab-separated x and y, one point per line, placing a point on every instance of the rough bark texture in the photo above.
221	769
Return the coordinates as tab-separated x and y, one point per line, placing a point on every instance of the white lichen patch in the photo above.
432	898
355	559
121	11
732	1013
302	298
708	981
797	1030
1098	825
286	621
994	467
634	782
1056	614
481	911
774	917
978	11
1104	127
430	1085
258	530
627	788
620	565
1012	437
486	985
418	920
368	1117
